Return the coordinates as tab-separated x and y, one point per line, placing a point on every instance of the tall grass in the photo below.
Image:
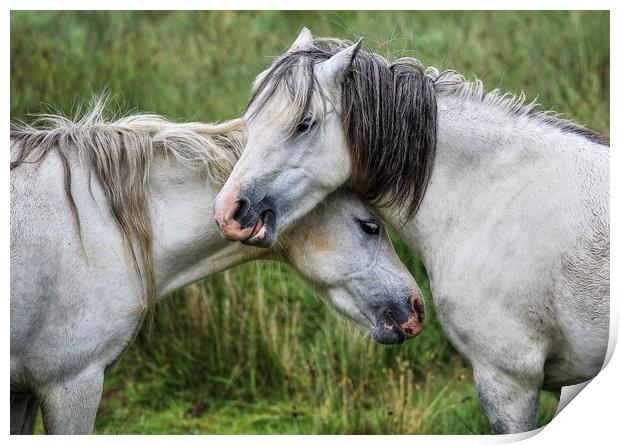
252	350
253	339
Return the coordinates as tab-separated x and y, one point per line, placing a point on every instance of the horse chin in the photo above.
267	241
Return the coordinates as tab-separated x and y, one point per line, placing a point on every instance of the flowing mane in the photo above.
119	153
389	114
451	83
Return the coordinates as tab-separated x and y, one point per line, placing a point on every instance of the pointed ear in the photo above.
334	68
304	38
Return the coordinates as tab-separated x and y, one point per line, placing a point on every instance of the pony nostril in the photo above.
396	313
242	209
417	304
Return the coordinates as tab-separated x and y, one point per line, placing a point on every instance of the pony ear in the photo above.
334	68
304	38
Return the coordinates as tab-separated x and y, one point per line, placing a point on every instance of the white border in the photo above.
315	5
589	419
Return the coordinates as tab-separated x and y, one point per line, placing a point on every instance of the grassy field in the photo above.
252	350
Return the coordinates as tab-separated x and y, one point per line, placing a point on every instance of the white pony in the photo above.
507	208
105	214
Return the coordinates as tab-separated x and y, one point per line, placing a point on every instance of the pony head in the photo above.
326	113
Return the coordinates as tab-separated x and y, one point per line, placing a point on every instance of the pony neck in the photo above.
483	155
187	245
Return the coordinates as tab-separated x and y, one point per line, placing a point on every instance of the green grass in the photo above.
252	350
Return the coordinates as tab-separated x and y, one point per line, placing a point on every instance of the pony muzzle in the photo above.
230	228
396	324
239	219
226	211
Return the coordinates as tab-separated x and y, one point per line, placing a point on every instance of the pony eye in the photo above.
306	124
370	227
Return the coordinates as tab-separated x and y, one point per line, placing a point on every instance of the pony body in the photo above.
512	223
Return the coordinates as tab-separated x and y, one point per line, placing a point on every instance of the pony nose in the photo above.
400	321
243	205
399	313
229	211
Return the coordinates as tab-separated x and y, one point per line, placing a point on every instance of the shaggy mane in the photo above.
119	153
451	83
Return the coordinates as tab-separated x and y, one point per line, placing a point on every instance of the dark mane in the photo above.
389	116
390	122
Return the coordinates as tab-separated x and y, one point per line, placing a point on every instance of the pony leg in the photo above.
24	409
509	401
70	407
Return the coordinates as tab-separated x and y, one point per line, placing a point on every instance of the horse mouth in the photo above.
260	235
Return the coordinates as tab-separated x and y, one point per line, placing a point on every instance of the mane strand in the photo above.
390	123
120	154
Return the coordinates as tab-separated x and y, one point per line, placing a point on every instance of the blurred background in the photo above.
252	350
